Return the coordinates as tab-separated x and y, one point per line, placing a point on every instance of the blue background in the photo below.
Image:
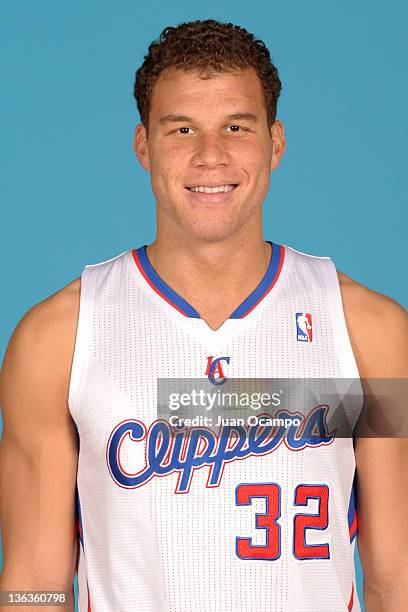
72	191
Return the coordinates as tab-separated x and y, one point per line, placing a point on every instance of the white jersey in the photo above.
255	524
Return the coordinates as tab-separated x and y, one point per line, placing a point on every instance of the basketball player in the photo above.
90	473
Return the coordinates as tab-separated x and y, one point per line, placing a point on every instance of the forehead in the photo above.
183	92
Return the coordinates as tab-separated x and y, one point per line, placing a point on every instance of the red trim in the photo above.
353	526
164	297
273	283
139	265
350	604
80	532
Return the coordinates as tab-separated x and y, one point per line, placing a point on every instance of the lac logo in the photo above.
304	328
214	367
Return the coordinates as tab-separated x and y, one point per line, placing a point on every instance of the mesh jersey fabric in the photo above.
153	549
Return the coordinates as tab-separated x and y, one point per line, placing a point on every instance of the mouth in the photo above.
212	194
209	189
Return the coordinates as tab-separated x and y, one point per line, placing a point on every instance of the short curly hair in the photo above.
209	47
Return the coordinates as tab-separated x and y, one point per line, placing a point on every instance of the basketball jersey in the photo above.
192	522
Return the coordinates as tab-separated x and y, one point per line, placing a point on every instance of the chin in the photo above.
206	225
210	231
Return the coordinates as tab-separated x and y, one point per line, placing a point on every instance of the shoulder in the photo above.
378	330
42	344
52	319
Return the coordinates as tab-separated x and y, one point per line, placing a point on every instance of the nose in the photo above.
211	151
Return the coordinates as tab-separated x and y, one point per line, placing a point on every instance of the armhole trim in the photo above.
348	363
81	348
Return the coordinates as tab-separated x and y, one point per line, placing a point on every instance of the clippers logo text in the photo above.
165	450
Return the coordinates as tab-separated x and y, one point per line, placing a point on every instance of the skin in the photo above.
191	237
38	453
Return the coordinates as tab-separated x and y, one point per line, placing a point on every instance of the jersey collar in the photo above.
180	304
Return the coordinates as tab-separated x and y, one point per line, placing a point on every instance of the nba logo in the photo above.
304	329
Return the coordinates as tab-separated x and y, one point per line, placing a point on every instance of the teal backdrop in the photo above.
72	191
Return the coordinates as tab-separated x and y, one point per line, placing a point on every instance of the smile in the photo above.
217	189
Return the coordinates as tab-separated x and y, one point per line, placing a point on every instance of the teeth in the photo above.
219	189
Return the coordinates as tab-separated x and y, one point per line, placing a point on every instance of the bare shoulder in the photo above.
63	304
378	330
41	347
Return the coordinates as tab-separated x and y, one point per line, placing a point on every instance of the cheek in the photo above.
254	158
166	165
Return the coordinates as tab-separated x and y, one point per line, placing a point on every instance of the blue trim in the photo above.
79	515
263	286
162	286
352	510
183	305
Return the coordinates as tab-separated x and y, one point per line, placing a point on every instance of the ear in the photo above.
140	146
278	143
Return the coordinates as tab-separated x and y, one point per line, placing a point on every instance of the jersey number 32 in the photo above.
268	521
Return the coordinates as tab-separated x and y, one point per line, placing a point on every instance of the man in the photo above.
186	520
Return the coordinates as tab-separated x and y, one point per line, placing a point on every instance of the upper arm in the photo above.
378	328
38	451
382	510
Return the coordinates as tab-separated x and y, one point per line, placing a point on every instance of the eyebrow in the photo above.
174	118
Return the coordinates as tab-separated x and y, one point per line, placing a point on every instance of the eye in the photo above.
180	130
235	129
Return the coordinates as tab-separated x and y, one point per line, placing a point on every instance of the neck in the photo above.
214	277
